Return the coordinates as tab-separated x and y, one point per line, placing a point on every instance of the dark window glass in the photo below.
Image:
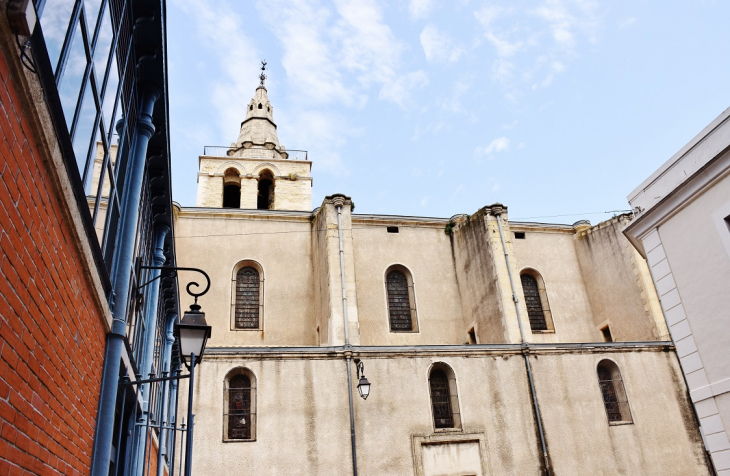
441	400
608	390
399	305
248	286
532	301
239	408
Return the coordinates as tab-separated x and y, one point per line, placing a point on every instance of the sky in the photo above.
556	108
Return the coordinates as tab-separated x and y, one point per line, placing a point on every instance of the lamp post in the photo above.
192	333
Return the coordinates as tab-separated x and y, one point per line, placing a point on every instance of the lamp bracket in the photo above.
173	272
360	368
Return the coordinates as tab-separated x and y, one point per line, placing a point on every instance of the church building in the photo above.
492	347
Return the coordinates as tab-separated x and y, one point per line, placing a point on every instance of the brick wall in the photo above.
51	335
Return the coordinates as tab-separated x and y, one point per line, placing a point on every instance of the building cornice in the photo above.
707	176
245	213
473	350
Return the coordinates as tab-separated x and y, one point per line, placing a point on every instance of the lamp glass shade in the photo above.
192	340
193	333
364	388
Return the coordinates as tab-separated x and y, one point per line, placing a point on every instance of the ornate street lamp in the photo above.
363	386
192	333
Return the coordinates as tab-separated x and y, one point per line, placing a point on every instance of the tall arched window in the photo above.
444	398
240	406
265	198
613	392
538	309
248	296
401	299
231	189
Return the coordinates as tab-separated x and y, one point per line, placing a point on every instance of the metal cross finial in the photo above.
262	76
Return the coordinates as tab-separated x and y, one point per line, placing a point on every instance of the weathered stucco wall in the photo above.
552	254
280	242
474	261
614	275
425	251
663	438
303	414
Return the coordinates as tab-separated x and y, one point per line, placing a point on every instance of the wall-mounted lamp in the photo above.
363	386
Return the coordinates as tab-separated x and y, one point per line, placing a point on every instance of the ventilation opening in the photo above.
265	199
392	229
519	235
472	336
260	106
607	334
250	108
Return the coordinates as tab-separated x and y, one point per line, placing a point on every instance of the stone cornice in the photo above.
243	213
475	350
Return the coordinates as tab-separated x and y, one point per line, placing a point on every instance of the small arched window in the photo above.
538	308
260	106
265	199
250	108
240	406
613	392
401	299
231	189
444	397
248	296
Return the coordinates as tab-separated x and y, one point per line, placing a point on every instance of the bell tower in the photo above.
255	172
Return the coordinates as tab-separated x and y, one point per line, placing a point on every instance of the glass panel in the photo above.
533	303
73	74
441	400
91	8
101	52
247	298
54	20
83	136
110	93
399	306
239	408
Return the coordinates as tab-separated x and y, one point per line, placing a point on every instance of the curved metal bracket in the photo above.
174	270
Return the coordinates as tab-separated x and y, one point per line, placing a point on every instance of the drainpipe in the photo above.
497	211
339	201
165	415
121	275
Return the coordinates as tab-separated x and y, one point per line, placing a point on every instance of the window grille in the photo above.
614	394
443	416
399	303
240	419
532	301
248	287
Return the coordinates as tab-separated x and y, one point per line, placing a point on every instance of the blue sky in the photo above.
433	108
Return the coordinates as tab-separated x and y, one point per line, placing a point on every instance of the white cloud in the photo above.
420	9
216	25
399	89
438	46
498	145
